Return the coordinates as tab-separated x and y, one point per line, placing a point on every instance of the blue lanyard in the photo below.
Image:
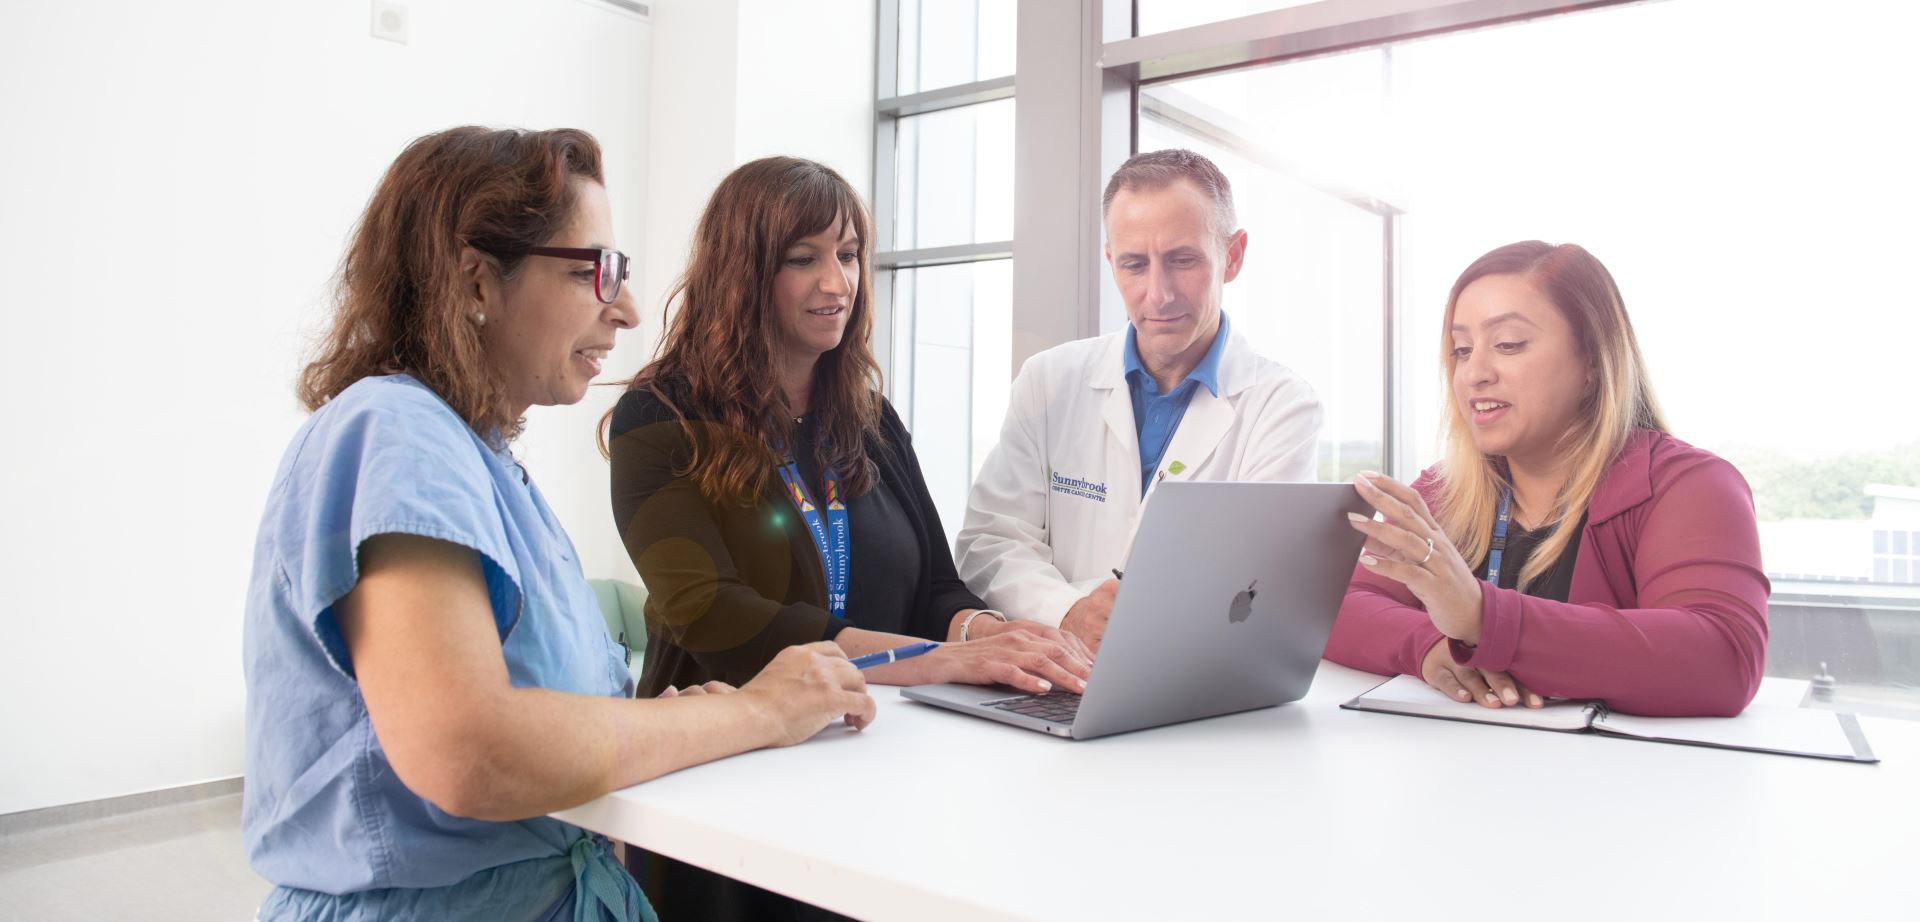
1499	535
833	537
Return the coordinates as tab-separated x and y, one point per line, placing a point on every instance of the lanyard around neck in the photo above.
1500	520
833	537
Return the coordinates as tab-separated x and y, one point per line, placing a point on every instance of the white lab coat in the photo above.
1056	504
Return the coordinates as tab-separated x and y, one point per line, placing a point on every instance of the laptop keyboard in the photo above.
1056	707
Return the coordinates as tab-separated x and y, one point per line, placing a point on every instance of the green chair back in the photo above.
623	606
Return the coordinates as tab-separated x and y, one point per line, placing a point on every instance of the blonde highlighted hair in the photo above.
1619	401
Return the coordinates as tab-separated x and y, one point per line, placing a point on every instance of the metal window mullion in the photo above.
966	414
944	256
1111	135
1395	423
885	166
886	182
1074	125
1392	412
885	314
948	97
1192	117
886	62
1315	28
886	82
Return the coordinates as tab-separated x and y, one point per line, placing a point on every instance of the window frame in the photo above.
1079	120
1079	69
890	108
1098	114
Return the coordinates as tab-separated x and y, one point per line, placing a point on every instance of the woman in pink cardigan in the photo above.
1567	546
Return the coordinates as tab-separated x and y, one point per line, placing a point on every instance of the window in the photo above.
1313	293
944	202
955	176
1168	15
946	43
1747	179
953	353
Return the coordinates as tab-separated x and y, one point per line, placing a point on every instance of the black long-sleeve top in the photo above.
730	586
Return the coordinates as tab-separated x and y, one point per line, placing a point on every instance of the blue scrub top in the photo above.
325	818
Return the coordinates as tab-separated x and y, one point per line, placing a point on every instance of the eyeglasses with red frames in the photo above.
610	266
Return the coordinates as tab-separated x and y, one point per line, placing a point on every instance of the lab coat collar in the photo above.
1207	420
1238	366
1206	374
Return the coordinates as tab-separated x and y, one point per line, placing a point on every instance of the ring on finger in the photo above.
1423	561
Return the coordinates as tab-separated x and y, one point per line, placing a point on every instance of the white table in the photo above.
1303	812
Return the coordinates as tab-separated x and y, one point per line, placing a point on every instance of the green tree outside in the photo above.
1823	488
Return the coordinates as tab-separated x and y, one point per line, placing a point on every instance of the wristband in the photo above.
967	622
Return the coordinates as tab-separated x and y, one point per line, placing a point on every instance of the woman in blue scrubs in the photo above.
428	673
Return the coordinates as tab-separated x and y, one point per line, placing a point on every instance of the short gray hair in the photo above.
1159	169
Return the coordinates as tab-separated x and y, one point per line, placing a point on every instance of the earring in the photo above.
479	319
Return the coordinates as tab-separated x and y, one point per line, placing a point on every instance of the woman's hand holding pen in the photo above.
1411	548
807	687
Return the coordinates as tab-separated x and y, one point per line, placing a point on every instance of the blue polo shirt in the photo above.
1156	416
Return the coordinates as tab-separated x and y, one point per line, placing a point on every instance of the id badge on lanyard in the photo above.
832	534
1499	547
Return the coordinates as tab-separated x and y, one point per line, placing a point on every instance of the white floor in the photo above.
181	862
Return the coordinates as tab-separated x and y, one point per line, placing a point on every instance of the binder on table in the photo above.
1805	732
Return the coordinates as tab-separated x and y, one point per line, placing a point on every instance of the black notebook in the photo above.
1760	728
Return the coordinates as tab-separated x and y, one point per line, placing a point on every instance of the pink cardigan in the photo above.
1666	614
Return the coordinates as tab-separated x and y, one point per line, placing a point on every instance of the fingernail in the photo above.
1510	697
1369	560
1534	700
1461	694
1357	517
1493	698
1046	685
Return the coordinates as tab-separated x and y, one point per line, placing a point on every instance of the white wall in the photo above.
805	83
176	185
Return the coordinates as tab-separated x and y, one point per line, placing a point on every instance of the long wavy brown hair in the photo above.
716	361
1619	403
400	305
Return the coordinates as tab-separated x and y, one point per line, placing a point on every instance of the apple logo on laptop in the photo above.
1242	607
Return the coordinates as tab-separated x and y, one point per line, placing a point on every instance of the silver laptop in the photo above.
1229	593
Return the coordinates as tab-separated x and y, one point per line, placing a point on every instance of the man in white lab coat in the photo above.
1093	426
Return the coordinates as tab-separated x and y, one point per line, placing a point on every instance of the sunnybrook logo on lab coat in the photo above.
1085	489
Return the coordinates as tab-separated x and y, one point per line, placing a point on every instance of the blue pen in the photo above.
894	655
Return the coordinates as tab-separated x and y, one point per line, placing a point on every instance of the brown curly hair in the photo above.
399	302
715	361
